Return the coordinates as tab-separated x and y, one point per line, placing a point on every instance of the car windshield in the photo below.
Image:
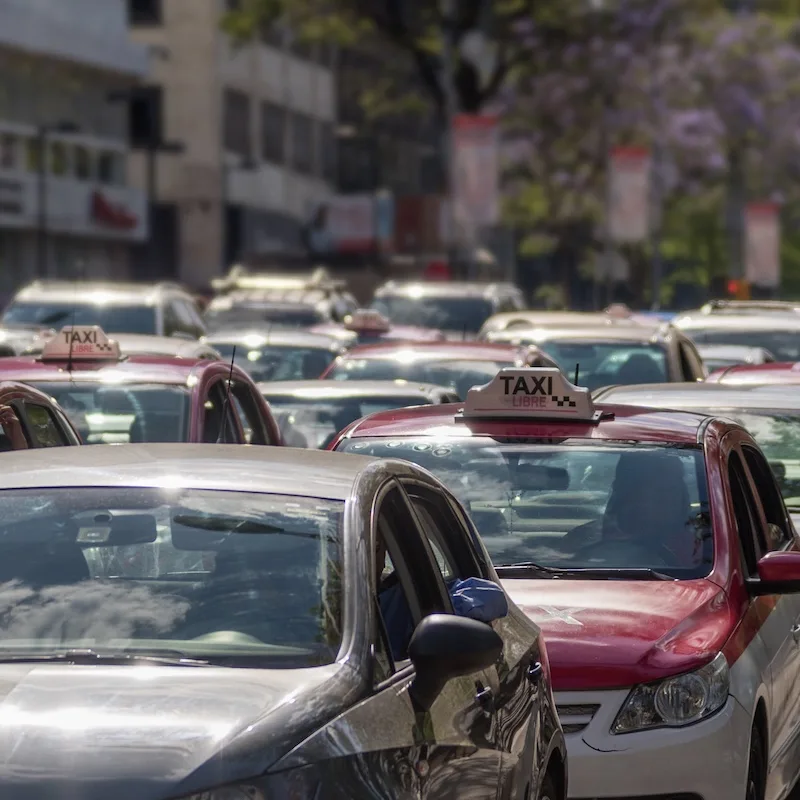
458	375
234	578
279	363
282	317
573	505
111	318
120	414
313	422
783	344
606	363
463	314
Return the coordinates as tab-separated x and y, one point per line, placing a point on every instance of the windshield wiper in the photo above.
527	569
167	658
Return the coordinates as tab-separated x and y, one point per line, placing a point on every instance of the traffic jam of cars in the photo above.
279	545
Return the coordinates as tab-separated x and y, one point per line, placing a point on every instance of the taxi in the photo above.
311	413
655	551
133	344
611	354
771	373
458	365
539	318
115	399
368	326
458	308
210	622
719	356
159	309
277	354
30	419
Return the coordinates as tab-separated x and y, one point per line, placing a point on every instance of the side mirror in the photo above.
778	573
446	646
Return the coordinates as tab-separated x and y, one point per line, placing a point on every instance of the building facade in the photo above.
66	208
248	134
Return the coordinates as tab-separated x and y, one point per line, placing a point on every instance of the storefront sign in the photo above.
111	215
763	245
476	170
629	194
358	223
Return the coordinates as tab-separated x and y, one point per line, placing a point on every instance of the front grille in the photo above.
574	718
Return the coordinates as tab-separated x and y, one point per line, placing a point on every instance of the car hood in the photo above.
148	733
614	634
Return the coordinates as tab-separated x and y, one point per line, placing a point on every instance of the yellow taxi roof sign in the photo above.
533	393
81	343
367	319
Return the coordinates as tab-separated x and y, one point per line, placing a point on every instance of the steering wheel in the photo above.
623	551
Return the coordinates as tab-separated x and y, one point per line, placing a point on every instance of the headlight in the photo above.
677	701
229	793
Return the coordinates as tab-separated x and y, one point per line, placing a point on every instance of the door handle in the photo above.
485	698
796	633
535	672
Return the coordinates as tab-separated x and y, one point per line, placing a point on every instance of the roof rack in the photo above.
716	306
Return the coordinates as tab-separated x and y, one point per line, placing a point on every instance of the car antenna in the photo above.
577	373
227	401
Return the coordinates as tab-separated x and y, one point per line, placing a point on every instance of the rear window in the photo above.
784	345
270	363
460	376
611	363
573	505
112	319
122	414
464	314
291	317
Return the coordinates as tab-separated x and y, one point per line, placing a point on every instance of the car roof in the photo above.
699	395
446	350
657	332
625	423
343	389
131	369
540	318
94	292
265	470
144	345
442	289
772	321
273	299
730	350
774	372
262	336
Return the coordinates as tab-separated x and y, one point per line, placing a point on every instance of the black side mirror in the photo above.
446	646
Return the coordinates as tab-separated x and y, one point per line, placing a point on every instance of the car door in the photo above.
516	681
779	535
457	757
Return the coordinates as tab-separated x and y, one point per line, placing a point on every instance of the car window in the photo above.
279	362
778	535
748	525
783	344
163	568
194	317
172	321
44	429
184	316
575	504
250	415
111	318
219	419
462	314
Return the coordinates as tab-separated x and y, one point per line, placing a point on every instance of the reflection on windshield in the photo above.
573	505
784	345
269	363
458	375
235	578
298	317
464	314
112	319
611	363
105	414
314	423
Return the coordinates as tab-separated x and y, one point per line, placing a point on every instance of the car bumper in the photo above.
706	761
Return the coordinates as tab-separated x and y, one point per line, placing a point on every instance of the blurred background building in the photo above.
65	203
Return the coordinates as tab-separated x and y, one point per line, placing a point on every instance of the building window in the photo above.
58	158
302	138
273	133
110	167
83	164
327	151
236	130
145	116
8	151
144	12
33	155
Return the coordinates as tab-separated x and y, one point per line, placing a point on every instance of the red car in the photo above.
114	399
655	551
765	374
31	419
459	365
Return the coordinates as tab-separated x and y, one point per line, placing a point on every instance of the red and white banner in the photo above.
629	194
763	245
476	170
